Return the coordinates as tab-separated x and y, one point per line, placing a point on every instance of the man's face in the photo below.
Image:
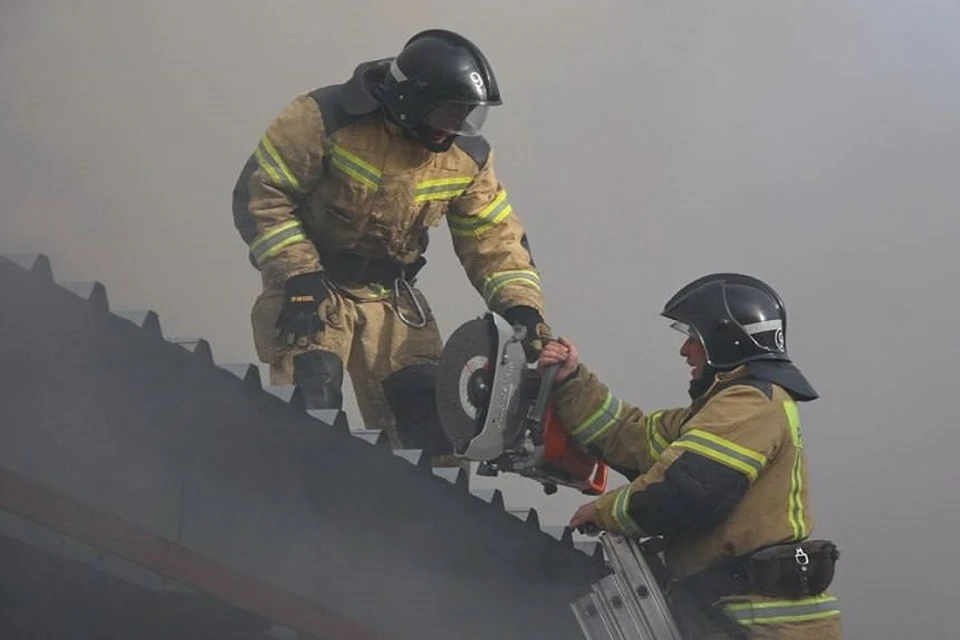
447	120
692	350
448	117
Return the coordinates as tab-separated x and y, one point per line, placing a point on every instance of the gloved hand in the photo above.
538	333
299	318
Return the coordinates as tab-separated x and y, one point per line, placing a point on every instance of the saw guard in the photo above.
489	442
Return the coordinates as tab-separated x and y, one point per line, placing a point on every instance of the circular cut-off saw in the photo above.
494	409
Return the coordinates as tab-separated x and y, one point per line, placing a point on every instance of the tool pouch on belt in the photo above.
793	570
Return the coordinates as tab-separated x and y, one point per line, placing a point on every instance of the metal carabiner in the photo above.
413	298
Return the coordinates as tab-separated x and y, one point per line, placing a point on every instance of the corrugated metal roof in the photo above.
101	407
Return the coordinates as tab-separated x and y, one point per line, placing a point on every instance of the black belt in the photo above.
727	578
353	269
700	590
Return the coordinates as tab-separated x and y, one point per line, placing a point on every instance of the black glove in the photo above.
299	317
538	333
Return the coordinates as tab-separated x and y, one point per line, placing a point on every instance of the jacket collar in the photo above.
781	373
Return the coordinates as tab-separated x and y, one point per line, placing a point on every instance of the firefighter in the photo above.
723	482
335	204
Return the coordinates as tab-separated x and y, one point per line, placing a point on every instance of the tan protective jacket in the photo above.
332	175
750	430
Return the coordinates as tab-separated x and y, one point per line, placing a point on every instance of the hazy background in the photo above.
813	144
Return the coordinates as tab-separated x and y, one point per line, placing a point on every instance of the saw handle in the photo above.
539	407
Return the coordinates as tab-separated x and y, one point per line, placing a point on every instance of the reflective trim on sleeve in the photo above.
721	450
621	514
493	283
599	421
488	217
784	611
271	242
271	162
655	441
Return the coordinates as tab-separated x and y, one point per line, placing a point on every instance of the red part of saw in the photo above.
565	461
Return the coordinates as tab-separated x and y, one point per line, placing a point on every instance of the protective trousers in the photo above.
828	629
390	363
761	619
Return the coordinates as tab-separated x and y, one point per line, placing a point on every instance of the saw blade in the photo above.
464	376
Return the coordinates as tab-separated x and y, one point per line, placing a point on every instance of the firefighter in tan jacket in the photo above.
723	482
335	204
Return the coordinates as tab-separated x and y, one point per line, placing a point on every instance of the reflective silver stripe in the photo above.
795	512
599	421
272	242
442	188
494	283
784	611
398	75
656	441
489	217
273	165
355	166
721	450
760	327
621	513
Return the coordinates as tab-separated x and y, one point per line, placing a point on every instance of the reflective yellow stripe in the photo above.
724	451
793	419
441	188
266	166
355	167
657	443
490	216
600	421
795	512
781	611
372	291
276	239
270	161
497	281
621	515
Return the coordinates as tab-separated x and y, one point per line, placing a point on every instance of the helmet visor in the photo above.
457	118
684	328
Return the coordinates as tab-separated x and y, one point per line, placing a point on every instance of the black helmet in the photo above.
737	318
439	87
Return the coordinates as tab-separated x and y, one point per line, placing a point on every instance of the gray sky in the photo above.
811	144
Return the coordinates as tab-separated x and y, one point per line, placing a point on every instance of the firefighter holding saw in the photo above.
722	482
335	204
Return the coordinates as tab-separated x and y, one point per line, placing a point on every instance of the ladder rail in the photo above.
629	603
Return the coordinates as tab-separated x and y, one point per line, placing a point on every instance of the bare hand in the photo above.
585	519
560	351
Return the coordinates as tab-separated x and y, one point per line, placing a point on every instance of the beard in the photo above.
699	385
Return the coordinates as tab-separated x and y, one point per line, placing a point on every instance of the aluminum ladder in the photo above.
627	604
